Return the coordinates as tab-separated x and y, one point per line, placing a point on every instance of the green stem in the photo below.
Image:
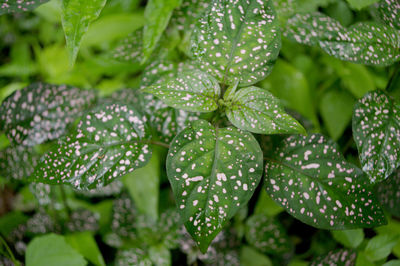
64	200
12	257
159	143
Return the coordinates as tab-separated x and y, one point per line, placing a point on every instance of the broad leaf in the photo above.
237	41
349	238
193	90
313	182
267	235
213	172
42	112
380	246
376	131
390	12
388	193
110	141
18	162
14	6
258	111
339	257
86	245
76	18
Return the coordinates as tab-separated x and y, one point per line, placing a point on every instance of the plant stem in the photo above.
159	143
12	257
64	199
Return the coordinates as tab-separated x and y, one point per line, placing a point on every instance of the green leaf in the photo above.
18	162
213	172
110	141
52	250
267	235
82	220
267	206
16	6
76	18
388	194
10	221
390	12
380	246
376	131
349	238
193	90
258	111
251	257
133	256
86	245
157	14
160	255
313	182
392	263
237	41
360	4
42	112
130	48
339	257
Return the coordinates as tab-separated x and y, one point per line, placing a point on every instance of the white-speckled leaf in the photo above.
42	112
342	257
376	131
18	162
390	12
258	111
267	235
110	141
310	179
388	193
213	173
14	6
130	48
237	40
365	43
192	90
82	220
133	256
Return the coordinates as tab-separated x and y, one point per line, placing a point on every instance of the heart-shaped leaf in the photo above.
388	193
42	112
313	182
338	257
258	111
376	131
14	6
110	141
237	40
213	173
390	12
193	90
18	162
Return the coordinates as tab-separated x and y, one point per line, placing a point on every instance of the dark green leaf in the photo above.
313	182
192	90
237	40
380	246
376	130
349	238
213	172
52	250
342	257
18	162
42	112
110	141
388	193
390	12
76	18
258	111
111	189
14	6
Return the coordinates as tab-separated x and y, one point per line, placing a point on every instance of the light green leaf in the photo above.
251	257
349	238
86	245
390	12
192	90
237	41
380	246
392	263
267	206
313	182
76	17
258	111
339	257
213	173
16	6
360	4
110	141
52	250
376	131
363	260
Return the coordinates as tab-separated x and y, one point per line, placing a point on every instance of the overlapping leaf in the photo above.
14	6
110	141
258	111
18	162
312	181
376	131
213	172
338	257
237	40
388	193
390	12
193	90
42	112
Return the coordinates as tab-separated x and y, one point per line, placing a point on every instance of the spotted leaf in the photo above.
343	257
133	256
376	131
110	141
14	6
364	43
258	111
237	40
42	112
267	235
193	90
390	12
18	162
213	172
310	179
388	193
130	48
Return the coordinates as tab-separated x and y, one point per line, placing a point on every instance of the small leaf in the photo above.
76	18
312	181
376	131
110	141
16	6
349	238
258	111
388	193
213	172
18	162
42	112
390	12
267	235
380	246
192	90
360	4
339	257
237	41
